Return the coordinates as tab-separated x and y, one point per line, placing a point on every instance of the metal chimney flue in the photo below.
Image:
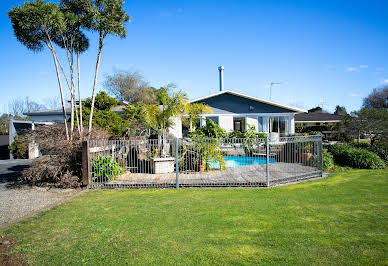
221	70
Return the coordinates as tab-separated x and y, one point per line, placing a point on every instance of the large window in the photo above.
239	124
282	125
278	124
274	124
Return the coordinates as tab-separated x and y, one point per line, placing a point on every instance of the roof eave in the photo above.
295	110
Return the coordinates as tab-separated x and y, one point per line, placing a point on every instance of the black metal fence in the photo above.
145	163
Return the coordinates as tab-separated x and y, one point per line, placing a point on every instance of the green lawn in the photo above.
342	219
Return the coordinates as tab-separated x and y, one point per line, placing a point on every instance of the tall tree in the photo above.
340	110
77	14
35	25
17	107
315	109
108	18
131	87
377	99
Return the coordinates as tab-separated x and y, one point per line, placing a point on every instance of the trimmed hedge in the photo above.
380	150
346	155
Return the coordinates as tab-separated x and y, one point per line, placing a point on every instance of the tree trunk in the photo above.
101	42
61	92
71	95
79	93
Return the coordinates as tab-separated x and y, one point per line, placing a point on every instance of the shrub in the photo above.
105	168
380	150
327	161
61	163
210	130
19	148
346	155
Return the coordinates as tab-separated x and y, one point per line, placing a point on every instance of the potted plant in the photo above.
306	154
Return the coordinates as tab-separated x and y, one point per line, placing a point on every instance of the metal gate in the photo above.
153	163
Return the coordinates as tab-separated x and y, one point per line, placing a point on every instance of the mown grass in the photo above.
339	220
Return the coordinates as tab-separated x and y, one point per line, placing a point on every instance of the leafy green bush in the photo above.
346	155
235	134
327	161
105	168
19	148
104	117
210	130
380	150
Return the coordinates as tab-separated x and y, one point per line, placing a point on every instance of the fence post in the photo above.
177	163
267	161
320	150
85	163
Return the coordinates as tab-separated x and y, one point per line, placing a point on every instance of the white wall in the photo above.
226	122
252	121
291	127
176	128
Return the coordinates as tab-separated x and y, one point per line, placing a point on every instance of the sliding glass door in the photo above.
278	124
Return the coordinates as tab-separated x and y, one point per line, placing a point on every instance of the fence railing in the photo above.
201	162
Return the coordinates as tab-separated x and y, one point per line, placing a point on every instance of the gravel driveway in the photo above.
23	201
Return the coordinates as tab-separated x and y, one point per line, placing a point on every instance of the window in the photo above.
214	118
282	124
274	123
239	124
260	124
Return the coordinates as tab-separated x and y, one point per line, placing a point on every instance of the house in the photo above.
230	109
56	115
317	119
237	111
48	115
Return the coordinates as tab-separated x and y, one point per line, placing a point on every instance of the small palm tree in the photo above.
194	112
159	117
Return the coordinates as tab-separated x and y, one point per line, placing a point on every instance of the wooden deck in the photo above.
238	176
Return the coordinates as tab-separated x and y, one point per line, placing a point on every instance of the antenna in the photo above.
270	88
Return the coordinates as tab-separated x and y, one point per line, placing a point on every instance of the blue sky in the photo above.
322	52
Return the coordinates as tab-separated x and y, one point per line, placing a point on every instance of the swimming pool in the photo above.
236	161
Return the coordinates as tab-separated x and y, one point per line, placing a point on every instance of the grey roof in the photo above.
48	112
255	99
317	117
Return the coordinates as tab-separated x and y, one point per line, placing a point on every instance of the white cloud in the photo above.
352	69
363	66
355	94
385	81
379	69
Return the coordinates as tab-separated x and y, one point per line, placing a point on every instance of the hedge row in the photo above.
346	155
380	150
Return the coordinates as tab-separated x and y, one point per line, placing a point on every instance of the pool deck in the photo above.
231	177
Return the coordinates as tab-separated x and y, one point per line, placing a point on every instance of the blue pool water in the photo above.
236	161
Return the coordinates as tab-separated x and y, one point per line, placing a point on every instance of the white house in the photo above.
237	111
